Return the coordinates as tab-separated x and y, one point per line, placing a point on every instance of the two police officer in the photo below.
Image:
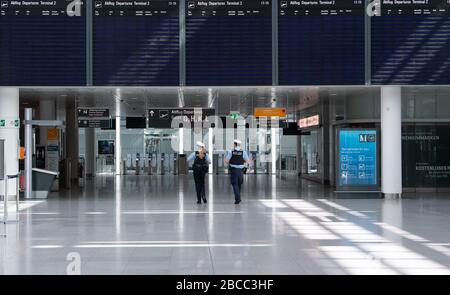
237	158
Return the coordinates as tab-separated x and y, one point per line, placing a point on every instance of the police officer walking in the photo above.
200	167
237	158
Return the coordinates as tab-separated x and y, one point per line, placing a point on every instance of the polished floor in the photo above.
152	225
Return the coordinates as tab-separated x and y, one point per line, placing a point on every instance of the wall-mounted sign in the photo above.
311	121
93	112
8	123
270	112
53	134
358	156
162	118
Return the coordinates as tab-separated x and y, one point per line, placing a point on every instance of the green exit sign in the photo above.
2	123
234	116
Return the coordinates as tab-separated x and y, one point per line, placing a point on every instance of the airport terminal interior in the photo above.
296	217
336	115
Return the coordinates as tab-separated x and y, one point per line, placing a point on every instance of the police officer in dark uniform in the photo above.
200	167
237	158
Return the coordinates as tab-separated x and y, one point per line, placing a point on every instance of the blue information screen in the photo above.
228	43
136	43
321	42
41	44
411	43
357	158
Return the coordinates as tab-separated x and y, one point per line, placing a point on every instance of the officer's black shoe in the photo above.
199	202
205	201
237	202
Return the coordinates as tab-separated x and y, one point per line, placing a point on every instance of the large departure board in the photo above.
136	43
228	43
321	42
411	42
41	45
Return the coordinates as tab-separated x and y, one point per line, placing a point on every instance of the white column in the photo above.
29	147
211	149
274	134
9	111
118	143
391	141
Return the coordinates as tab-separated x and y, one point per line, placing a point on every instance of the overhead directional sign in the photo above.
162	118
94	123
270	112
93	113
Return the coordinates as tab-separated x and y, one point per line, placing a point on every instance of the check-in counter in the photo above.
42	182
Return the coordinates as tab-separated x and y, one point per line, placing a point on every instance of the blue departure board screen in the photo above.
411	43
136	43
358	157
321	42
228	43
41	45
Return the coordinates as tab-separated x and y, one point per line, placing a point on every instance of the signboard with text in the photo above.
426	156
92	112
163	118
357	158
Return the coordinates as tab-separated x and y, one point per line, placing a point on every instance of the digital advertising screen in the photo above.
358	159
411	43
136	43
321	42
42	43
228	43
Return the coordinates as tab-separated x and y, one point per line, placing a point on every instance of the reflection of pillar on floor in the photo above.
89	152
391	141
9	111
72	140
118	143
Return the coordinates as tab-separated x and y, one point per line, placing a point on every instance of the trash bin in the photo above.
42	182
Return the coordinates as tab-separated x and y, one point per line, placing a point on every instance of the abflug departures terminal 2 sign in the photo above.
323	7
136	8
229	8
35	8
415	7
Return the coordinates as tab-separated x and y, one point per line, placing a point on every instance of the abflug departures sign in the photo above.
411	43
229	8
164	118
228	43
322	7
136	43
137	8
321	42
41	45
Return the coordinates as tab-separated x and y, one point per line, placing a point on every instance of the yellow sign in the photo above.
52	134
270	112
22	153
